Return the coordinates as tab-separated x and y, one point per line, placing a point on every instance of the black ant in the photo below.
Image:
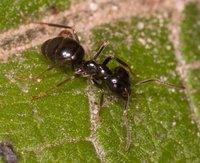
65	49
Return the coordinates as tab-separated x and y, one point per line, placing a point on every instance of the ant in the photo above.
65	49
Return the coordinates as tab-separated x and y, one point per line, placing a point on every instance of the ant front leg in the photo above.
122	63
153	80
128	129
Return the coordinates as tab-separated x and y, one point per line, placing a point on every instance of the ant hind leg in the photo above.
42	94
40	75
62	33
53	25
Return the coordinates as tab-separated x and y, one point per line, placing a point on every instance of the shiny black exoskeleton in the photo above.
66	50
117	81
62	49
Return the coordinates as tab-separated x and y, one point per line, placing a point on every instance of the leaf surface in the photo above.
57	127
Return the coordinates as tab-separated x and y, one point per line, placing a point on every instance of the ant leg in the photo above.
101	101
75	36
160	82
53	25
125	65
101	104
128	132
122	63
102	94
101	48
42	73
41	94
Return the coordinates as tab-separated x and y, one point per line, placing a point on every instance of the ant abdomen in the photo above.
49	47
63	50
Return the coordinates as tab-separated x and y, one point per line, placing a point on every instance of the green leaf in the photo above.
190	32
56	121
194	85
159	116
17	12
191	49
57	127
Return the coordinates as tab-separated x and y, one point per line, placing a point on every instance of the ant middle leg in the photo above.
102	94
101	101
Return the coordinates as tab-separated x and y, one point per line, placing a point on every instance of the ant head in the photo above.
121	72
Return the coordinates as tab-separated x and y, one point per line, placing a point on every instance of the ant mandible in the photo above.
65	49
